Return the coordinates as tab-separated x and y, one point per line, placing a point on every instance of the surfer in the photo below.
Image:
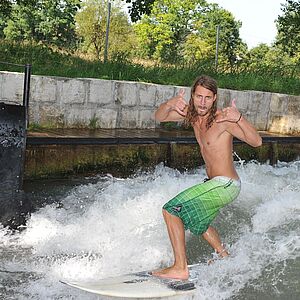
196	207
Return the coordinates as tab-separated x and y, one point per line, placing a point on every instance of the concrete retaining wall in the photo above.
66	102
57	161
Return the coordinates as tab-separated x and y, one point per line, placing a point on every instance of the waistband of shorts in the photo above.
226	179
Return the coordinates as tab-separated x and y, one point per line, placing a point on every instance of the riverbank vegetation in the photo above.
166	42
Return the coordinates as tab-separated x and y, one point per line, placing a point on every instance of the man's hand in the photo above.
229	114
178	103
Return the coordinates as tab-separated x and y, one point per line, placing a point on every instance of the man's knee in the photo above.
204	235
207	233
165	212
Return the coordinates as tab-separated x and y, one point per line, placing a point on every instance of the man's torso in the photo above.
216	148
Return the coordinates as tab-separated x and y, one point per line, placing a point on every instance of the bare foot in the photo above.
222	254
172	272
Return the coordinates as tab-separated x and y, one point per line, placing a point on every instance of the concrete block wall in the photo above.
68	102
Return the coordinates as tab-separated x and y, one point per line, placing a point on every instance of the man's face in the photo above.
203	100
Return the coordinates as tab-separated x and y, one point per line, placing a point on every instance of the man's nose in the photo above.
202	101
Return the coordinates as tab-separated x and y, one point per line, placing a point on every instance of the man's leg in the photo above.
212	237
179	270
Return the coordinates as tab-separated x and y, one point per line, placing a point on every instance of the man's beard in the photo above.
204	111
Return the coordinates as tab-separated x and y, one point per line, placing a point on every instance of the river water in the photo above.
104	226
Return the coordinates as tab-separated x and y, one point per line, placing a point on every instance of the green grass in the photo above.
34	127
49	62
93	122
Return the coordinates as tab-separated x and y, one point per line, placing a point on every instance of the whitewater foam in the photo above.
114	226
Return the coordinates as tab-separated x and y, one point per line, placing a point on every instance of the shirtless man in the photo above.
196	207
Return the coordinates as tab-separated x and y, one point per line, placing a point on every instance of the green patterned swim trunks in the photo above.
198	205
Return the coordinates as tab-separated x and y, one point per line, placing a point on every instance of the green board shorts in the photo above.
198	205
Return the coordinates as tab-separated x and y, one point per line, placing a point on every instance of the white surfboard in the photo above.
136	285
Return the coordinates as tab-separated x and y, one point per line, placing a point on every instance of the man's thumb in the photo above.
233	103
181	92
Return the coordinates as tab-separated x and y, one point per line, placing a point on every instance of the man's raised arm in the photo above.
174	109
240	127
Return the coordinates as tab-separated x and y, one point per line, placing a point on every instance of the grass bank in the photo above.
49	62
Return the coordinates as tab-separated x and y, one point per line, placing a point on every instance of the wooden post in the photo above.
107	31
273	153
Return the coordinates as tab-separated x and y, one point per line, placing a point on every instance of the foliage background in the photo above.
164	41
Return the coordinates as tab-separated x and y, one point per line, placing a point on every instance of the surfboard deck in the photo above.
136	285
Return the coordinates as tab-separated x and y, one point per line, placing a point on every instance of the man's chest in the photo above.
209	138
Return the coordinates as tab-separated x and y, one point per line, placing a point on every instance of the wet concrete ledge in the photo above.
57	153
131	136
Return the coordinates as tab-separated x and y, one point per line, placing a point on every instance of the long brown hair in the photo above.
210	84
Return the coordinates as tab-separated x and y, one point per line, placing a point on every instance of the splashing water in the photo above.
110	226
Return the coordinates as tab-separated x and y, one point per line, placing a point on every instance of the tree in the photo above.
22	23
230	43
163	33
5	7
91	27
185	30
268	59
197	48
288	26
49	21
138	8
5	11
255	59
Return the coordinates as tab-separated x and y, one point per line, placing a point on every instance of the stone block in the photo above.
126	93
146	119
242	100
259	101
2	76
146	94
163	93
72	91
260	107
43	89
34	112
278	103
293	106
51	116
284	124
128	118
107	118
223	98
12	86
101	92
76	116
